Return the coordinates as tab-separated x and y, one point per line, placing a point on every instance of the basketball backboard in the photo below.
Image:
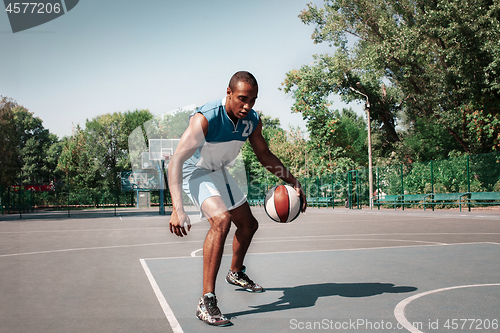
162	149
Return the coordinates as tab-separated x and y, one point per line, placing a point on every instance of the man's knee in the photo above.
221	223
249	226
255	224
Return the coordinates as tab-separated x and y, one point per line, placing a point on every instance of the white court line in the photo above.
391	234
93	248
335	250
347	239
176	327
370	248
267	241
257	238
399	310
80	230
409	217
193	254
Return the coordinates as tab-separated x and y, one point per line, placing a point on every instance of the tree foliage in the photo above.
34	143
92	157
77	163
415	60
338	139
25	153
336	143
8	145
289	146
256	172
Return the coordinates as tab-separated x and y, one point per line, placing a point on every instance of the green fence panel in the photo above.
472	173
485	172
450	175
417	178
388	180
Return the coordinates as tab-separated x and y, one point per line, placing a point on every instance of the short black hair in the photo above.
242	76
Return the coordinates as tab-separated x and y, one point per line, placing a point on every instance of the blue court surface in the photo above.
362	290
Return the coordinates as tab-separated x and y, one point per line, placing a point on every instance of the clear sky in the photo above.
120	55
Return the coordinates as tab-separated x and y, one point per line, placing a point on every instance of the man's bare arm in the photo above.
191	140
272	163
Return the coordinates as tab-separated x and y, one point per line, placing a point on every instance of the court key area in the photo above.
335	270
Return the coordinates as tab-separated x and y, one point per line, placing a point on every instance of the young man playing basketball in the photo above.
213	139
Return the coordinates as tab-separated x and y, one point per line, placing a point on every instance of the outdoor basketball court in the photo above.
330	270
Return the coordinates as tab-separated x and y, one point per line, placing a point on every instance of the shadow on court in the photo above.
306	295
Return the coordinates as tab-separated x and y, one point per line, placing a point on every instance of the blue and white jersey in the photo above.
223	140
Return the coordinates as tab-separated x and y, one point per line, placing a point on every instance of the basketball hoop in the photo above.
167	157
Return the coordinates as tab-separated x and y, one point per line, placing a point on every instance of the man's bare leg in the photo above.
220	223
213	247
246	225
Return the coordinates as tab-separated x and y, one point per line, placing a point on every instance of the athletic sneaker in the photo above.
242	280
209	312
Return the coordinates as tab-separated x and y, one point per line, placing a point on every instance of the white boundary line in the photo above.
333	250
390	234
193	254
399	310
375	248
90	248
176	327
269	241
346	239
82	230
256	238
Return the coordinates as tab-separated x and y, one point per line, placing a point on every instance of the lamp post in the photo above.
370	165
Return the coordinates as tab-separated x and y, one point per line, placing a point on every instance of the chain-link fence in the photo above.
348	189
469	173
17	199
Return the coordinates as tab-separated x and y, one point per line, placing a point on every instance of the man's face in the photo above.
240	100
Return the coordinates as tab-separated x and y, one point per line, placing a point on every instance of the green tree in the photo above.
421	140
256	172
339	140
423	59
77	163
93	157
29	152
483	124
52	160
8	145
107	141
169	125
289	147
133	119
33	142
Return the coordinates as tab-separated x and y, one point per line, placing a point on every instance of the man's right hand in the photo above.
177	222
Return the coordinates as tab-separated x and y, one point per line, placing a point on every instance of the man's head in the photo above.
241	95
242	76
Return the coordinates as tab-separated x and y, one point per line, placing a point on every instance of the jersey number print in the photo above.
248	127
